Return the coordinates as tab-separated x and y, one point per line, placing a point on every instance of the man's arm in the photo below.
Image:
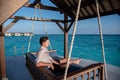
55	62
40	64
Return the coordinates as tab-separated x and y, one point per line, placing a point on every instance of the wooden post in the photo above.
65	36
2	55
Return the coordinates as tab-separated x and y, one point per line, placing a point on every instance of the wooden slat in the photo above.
82	77
99	70
111	4
88	75
94	74
8	8
103	74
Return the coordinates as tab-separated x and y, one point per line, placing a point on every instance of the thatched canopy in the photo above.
88	7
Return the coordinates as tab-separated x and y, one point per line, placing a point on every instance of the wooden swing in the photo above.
75	72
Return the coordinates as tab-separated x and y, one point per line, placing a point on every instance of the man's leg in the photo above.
63	62
76	61
50	65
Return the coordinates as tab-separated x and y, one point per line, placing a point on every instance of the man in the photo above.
43	58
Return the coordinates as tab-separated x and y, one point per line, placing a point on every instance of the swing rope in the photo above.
101	37
72	41
44	25
32	30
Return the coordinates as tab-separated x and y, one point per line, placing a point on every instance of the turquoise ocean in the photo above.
85	46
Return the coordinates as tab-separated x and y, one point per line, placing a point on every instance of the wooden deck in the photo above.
17	70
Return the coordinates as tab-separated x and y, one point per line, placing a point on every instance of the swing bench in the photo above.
75	71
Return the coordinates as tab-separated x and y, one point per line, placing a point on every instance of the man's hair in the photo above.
43	39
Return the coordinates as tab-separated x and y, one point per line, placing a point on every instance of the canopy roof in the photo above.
88	7
87	10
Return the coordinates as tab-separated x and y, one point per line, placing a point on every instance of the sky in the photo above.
110	24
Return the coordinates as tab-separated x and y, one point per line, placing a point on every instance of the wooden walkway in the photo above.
17	70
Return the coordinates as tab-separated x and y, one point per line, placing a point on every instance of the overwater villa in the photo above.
73	10
18	34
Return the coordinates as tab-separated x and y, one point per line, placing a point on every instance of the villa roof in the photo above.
88	7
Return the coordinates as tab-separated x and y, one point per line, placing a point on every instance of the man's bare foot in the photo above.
77	61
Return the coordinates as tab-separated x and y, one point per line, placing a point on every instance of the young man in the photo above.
43	58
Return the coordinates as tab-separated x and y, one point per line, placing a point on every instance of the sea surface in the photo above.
85	46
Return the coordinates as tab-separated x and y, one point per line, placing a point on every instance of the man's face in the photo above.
46	44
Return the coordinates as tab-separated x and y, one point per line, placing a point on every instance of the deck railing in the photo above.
91	72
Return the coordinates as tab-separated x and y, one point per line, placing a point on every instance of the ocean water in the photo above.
85	46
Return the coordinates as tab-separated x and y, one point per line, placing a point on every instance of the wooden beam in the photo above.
35	19
34	3
1	30
86	3
2	55
102	7
50	8
10	25
60	26
65	36
45	7
9	8
70	26
111	4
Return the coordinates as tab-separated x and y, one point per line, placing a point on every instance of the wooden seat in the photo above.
95	71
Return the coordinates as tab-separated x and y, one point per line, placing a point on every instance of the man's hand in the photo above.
51	66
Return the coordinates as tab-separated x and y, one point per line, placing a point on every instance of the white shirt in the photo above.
43	56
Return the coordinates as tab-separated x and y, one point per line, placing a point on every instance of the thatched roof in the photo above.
88	7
